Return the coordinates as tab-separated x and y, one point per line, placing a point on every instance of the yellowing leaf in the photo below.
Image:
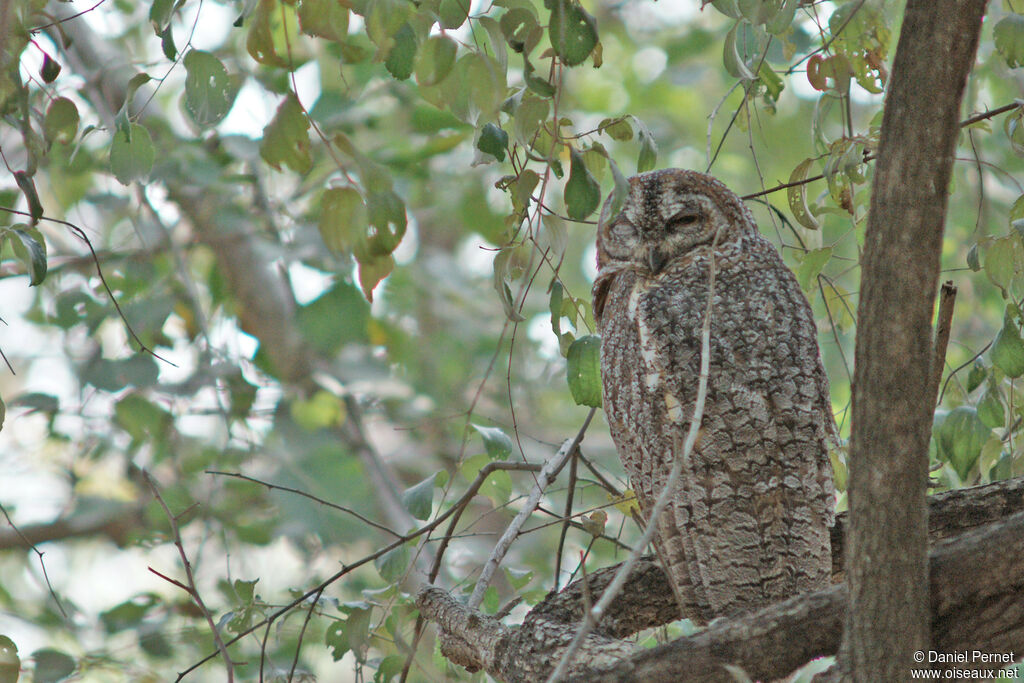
797	196
324	18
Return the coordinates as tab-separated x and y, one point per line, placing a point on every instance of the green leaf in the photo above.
30	248
520	28
321	410
797	196
811	265
167	45
731	58
351	634
419	499
285	140
372	270
1016	215
52	665
518	578
10	663
61	121
453	13
977	375
493	140
130	613
648	148
260	41
28	188
960	438
573	32
1003	261
343	219
498	485
990	409
400	59
618	128
1007	351
142	419
435	60
1009	39
208	91
582	193
583	371
324	18
498	444
529	117
132	154
392	565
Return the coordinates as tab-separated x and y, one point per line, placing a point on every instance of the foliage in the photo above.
320	268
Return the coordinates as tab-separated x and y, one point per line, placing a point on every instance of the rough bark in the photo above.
976	582
887	562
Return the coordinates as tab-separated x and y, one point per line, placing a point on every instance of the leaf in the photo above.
582	193
498	444
990	409
208	91
285	140
648	156
260	41
518	578
61	121
493	140
573	32
1009	39
142	419
1003	261
960	438
30	248
501	284
324	19
1007	351
320	411
400	59
351	634
160	14
50	69
372	271
28	188
976	376
419	499
10	663
392	565
435	60
583	371
520	29
167	45
132	154
453	13
52	665
618	128
529	117
343	219
797	196
731	58
811	265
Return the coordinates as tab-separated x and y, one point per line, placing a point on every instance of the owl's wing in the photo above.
756	496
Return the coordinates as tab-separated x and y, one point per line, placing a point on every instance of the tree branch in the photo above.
978	559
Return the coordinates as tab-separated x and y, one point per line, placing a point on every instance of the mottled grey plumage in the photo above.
748	522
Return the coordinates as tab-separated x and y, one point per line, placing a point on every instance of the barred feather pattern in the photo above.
747	524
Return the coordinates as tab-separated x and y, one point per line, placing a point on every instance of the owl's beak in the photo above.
655	260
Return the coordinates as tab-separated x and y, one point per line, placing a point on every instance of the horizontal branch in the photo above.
977	574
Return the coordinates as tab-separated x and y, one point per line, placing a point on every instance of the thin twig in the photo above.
544	479
593	616
190	584
310	496
568	517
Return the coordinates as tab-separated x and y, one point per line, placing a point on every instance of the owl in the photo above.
748	521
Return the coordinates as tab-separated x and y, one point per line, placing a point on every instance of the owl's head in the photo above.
666	214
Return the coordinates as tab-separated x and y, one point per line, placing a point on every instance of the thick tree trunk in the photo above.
887	561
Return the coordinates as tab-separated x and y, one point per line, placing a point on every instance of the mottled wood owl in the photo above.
747	524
